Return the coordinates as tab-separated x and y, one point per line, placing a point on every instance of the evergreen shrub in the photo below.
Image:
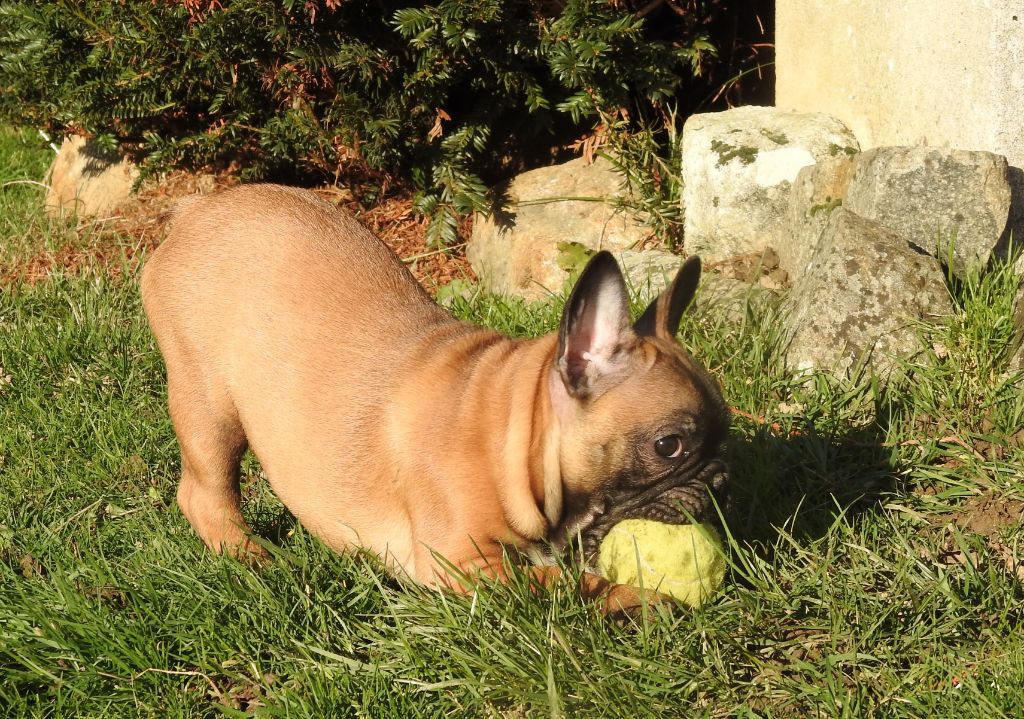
442	95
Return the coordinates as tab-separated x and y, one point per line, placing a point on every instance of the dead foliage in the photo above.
118	243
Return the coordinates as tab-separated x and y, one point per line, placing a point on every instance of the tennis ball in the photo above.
684	561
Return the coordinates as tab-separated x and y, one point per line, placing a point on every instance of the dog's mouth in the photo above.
677	499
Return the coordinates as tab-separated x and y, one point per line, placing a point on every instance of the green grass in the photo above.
23	229
854	591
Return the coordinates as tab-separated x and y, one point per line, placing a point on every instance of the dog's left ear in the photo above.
595	339
661	318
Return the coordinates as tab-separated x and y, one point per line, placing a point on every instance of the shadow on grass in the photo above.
802	482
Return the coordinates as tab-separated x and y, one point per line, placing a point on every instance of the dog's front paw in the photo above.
622	601
247	552
617	601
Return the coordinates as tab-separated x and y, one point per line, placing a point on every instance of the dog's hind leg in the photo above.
212	444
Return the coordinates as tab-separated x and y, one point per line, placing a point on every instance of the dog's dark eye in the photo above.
669	447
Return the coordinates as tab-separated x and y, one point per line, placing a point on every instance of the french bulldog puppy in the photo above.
383	422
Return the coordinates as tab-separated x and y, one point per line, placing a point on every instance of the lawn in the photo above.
875	553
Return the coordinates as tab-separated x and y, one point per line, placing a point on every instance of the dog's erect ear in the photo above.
661	318
595	339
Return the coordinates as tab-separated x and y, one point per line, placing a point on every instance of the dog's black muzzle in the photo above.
694	495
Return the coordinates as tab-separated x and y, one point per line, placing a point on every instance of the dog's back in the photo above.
298	247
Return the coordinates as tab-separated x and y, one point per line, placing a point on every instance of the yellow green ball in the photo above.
684	561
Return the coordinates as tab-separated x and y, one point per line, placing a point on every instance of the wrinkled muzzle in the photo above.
697	494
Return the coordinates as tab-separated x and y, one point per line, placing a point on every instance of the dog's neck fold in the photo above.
532	486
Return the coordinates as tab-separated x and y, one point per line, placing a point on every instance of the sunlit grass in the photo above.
853	591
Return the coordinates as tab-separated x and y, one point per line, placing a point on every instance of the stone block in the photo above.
860	298
931	196
817	191
87	182
738	167
934	197
648	272
515	250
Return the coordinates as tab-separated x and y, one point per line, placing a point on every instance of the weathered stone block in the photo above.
818	190
935	197
515	251
860	297
932	197
738	167
86	182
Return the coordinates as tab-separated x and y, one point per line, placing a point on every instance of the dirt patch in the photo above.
117	243
988	515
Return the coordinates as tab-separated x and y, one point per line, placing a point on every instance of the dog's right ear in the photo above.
595	337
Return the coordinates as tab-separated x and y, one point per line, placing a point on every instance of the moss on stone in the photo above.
834	149
779	138
827	206
727	152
